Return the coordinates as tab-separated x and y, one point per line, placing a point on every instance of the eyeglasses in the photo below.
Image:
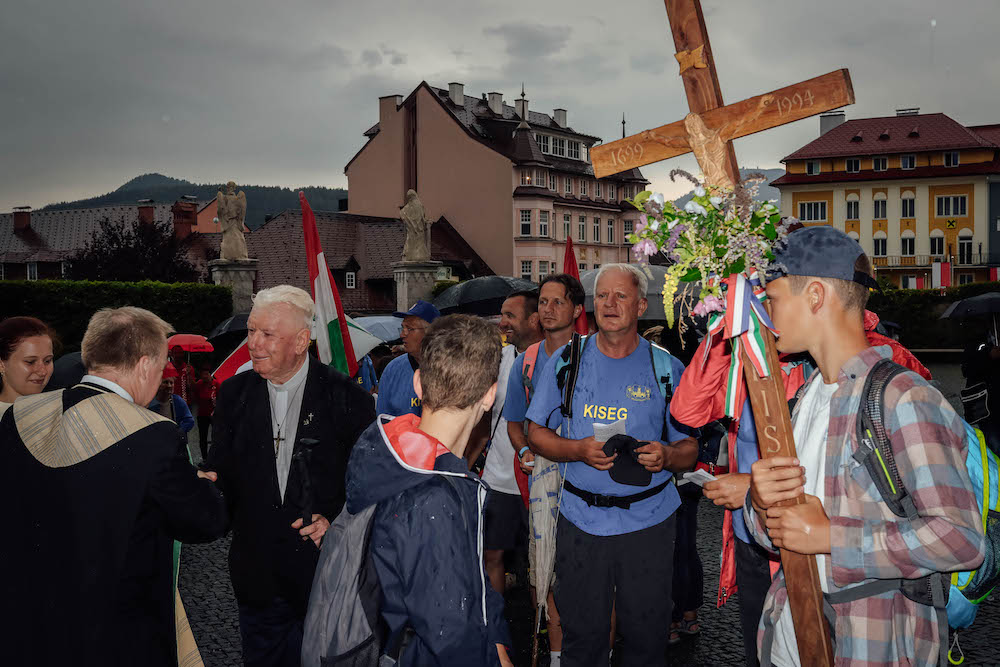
408	330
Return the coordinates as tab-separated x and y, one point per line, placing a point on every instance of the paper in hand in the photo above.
699	477
604	432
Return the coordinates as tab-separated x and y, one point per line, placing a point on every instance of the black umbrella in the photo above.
480	296
976	306
236	323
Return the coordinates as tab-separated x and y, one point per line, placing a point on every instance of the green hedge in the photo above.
66	305
917	312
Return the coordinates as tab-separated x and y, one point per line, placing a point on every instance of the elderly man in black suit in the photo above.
94	489
283	434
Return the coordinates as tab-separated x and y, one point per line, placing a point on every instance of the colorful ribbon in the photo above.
743	322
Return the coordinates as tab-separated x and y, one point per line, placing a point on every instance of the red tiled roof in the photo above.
990	133
374	243
892	135
57	234
891	174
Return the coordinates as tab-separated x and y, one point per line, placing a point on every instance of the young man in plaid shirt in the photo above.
817	306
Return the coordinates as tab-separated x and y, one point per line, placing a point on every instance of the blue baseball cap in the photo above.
425	311
823	252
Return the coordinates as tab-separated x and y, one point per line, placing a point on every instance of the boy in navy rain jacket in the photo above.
427	535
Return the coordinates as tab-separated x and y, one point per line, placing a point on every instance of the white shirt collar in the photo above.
295	381
108	384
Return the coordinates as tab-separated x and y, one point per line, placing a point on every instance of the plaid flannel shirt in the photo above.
867	540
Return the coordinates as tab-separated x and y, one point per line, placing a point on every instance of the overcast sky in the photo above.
259	91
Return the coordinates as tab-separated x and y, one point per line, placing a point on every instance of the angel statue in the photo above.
232	210
417	247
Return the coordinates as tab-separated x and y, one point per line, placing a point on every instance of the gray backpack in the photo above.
344	627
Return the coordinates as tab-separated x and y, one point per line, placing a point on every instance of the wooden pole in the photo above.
774	436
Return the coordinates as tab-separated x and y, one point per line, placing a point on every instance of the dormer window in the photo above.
853	165
574	150
543	142
880	163
908	162
351	280
951	158
812	167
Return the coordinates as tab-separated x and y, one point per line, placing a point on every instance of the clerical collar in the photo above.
108	384
295	381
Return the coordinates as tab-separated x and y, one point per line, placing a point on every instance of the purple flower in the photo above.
639	226
644	249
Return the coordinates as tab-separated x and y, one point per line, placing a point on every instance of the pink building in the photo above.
514	183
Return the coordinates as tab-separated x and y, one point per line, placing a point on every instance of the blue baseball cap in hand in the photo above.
822	252
425	311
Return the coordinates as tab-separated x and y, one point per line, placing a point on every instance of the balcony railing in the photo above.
961	259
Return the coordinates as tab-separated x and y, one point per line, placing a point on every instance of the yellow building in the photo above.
914	189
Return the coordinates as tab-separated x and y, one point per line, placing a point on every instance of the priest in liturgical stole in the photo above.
283	434
94	489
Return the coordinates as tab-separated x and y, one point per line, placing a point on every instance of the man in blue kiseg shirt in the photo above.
396	395
615	542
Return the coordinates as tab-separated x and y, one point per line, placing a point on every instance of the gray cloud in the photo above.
95	93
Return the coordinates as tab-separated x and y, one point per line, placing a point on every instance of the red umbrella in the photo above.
190	343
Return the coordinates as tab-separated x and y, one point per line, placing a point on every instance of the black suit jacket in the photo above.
88	549
268	558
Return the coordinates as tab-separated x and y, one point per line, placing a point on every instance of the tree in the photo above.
133	252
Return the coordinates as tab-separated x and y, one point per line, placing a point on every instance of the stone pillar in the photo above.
414	280
239	275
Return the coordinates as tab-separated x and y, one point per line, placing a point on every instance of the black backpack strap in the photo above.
567	376
874	448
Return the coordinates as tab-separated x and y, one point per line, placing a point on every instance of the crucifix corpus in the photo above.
708	131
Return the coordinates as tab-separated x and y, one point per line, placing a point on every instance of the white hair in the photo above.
293	296
639	278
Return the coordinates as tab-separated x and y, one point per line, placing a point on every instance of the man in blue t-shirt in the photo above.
560	302
614	542
396	395
365	376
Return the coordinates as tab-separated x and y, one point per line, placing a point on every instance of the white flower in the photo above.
654	225
699	191
715	200
671	224
657	199
695	208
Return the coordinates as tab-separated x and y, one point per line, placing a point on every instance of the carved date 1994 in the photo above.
801	100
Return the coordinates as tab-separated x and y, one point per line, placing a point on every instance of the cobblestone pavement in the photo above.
211	608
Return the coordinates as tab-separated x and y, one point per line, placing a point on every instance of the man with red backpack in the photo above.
560	302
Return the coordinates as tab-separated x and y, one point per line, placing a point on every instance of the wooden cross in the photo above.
708	131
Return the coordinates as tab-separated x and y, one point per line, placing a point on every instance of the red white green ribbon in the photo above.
743	322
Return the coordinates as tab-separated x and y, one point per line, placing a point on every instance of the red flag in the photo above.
570	268
236	358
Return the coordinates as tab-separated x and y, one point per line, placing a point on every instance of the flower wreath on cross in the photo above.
725	241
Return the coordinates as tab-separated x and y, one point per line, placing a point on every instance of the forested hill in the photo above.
262	200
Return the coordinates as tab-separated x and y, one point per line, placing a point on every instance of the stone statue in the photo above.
417	247
232	210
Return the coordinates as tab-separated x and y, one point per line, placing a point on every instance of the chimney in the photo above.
911	111
146	209
496	103
830	120
185	212
559	116
387	107
22	218
456	91
521	105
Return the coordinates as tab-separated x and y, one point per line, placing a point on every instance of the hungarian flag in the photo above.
333	335
570	268
236	360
